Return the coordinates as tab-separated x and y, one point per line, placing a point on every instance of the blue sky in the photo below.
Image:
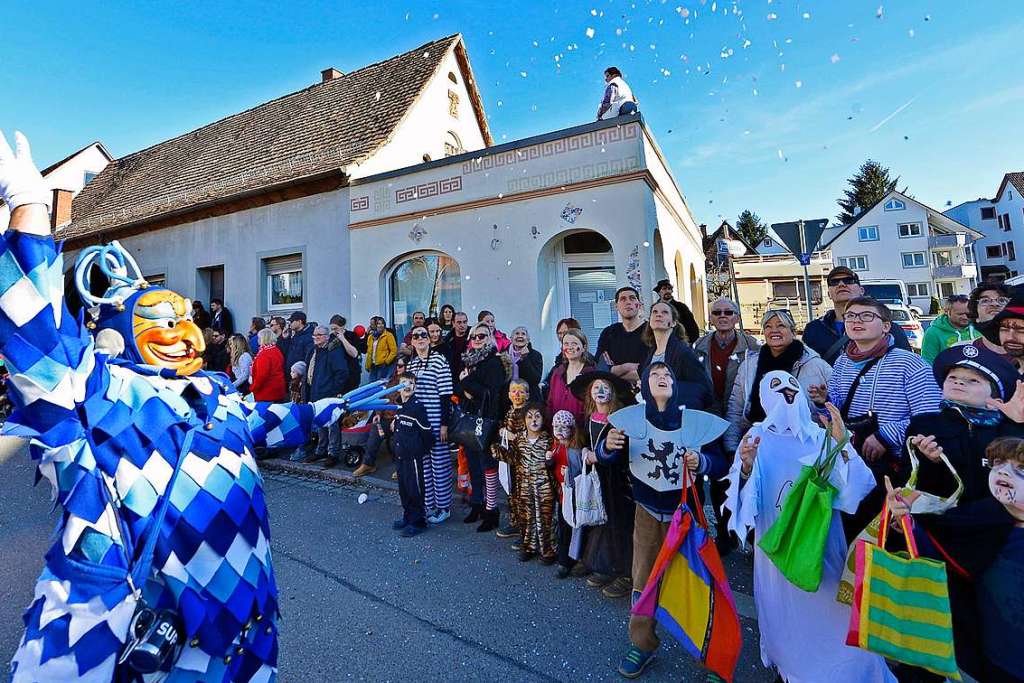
767	105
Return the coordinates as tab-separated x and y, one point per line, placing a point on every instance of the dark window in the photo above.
795	290
988	213
586	243
1011	253
993	251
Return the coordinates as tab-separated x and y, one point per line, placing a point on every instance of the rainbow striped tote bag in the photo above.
901	605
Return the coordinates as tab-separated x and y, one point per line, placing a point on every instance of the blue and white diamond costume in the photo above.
107	433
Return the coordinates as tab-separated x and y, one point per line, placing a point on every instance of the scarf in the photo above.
767	362
875	351
375	332
979	417
473	357
515	357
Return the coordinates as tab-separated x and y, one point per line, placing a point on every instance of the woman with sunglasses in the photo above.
781	351
434	392
480	385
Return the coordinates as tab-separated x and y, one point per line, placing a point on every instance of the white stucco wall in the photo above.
517	280
424	127
313	226
71	174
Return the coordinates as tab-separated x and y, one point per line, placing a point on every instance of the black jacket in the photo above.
409	431
820	334
485	382
531	370
687	320
222	321
964	444
329	373
685	365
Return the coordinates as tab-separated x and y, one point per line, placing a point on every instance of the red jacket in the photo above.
267	378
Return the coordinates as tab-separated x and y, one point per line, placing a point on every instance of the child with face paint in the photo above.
503	451
985	540
564	462
535	489
608	548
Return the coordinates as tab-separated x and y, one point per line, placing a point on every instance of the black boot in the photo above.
491	519
474	514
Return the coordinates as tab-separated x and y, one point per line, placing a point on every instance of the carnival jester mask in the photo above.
154	323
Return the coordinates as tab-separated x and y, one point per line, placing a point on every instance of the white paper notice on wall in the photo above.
602	315
588	297
400	315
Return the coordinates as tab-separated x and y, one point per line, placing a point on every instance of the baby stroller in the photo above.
355	431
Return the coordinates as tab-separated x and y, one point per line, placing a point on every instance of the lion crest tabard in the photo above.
655	455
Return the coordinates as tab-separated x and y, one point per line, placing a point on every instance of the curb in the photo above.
325	474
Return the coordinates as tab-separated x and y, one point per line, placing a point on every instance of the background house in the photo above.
66	178
380	192
1001	222
901	238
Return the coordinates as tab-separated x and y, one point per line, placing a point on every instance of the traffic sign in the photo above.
797	243
805	259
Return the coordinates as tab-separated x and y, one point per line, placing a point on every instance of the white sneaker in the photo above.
439	516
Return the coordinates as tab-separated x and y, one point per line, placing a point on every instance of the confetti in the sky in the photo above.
878	12
910	33
590	32
807	15
772	16
523	74
834	58
799	84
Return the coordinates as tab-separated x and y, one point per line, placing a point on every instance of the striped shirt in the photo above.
433	385
897	387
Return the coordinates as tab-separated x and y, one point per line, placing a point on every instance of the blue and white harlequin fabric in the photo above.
106	434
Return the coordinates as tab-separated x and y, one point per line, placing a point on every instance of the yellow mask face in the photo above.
165	334
518	395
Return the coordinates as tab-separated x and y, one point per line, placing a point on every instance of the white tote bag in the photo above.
589	505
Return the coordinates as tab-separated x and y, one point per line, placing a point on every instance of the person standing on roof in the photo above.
618	99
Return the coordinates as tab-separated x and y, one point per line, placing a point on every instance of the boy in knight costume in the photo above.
659	437
161	569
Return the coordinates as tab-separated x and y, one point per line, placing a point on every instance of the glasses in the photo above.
863	317
835	282
724	312
993	301
480	337
419	335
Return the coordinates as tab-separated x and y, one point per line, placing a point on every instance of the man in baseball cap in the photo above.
827	334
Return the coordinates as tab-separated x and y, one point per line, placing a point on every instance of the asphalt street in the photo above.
361	603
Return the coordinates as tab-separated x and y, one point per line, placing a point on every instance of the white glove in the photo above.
20	180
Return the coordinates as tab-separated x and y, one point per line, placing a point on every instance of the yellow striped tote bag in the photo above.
901	605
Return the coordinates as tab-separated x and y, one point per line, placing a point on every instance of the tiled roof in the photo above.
314	131
1016	179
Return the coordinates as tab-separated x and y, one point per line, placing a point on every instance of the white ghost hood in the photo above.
785	405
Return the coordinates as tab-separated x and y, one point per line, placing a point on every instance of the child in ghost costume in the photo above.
803	634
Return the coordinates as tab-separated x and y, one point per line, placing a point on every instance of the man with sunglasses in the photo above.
827	334
952	327
722	351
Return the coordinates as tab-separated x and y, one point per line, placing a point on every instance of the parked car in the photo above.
889	292
906	318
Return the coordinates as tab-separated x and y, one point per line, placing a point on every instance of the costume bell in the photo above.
803	634
150	459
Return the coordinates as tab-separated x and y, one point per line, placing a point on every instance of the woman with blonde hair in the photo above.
267	381
241	362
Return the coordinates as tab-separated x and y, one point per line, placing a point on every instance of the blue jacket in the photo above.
329	373
298	348
820	334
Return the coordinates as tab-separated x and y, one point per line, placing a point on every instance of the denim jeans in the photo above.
381	372
329	440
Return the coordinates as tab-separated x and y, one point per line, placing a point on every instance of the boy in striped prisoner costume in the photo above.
126	443
434	391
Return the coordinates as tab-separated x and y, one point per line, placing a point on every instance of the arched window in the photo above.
422	282
452	144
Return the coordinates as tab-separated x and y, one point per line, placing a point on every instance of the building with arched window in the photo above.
381	192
